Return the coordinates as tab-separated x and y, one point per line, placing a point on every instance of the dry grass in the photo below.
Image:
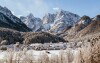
23	57
88	53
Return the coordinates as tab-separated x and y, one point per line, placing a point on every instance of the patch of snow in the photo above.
2	55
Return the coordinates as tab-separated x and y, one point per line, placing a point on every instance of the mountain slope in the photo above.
85	31
33	23
83	22
94	27
8	20
51	22
63	20
12	36
48	21
60	20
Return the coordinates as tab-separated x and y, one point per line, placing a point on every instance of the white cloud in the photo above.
56	8
19	16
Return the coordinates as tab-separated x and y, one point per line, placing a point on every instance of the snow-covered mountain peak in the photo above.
9	14
66	14
32	22
30	16
61	11
48	18
5	11
61	20
55	22
8	20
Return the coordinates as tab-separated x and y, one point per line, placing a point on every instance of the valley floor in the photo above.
88	52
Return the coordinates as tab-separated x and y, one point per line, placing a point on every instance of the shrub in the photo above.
3	48
40	37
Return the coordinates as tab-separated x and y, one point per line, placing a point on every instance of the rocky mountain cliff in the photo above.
64	20
8	20
32	22
51	22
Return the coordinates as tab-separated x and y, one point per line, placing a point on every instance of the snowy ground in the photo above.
3	54
36	55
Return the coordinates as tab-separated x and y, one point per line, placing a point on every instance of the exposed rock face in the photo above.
92	28
80	25
8	20
48	21
63	20
83	22
33	23
97	18
51	22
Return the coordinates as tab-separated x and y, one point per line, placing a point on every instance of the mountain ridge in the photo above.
7	18
55	22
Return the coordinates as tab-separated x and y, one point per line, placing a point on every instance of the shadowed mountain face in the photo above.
8	23
97	18
93	27
83	22
8	20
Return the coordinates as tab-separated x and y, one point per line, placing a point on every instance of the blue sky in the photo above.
40	7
